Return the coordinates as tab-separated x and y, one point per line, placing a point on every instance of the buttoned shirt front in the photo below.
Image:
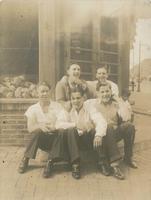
86	118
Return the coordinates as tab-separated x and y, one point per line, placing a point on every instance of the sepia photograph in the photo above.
75	99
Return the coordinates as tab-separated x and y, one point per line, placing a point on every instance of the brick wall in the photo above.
13	127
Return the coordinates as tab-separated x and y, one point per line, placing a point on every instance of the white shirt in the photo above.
87	118
125	110
36	115
110	112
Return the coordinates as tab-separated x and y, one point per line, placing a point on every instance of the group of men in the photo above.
96	124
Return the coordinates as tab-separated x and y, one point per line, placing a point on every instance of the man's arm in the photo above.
63	120
33	127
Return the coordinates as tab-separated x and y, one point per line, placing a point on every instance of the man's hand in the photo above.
97	142
46	127
50	127
80	132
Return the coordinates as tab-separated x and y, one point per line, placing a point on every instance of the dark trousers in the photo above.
51	143
126	131
109	149
58	144
71	148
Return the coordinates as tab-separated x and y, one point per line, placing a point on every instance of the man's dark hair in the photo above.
68	67
78	88
105	66
99	85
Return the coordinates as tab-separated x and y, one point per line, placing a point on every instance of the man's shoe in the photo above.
23	165
47	169
131	164
105	169
76	171
117	173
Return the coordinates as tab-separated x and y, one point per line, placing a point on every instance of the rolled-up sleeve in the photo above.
97	118
100	123
63	120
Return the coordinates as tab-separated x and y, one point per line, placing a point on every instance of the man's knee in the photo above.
130	128
35	135
72	132
129	131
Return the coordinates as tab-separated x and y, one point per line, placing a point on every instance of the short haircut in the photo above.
105	66
44	83
78	88
99	85
73	64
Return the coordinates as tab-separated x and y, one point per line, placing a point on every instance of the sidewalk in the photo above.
142	103
61	186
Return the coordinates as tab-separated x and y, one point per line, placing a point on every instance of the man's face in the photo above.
74	72
105	94
102	75
77	100
44	93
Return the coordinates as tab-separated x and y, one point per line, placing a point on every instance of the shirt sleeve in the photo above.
124	111
115	90
31	119
60	93
63	120
98	120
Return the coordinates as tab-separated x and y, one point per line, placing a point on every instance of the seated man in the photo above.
102	77
91	128
41	123
111	111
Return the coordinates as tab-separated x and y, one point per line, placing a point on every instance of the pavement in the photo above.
61	186
142	120
142	99
142	103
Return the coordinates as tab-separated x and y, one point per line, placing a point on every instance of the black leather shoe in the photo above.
47	169
76	171
104	169
131	164
23	165
117	173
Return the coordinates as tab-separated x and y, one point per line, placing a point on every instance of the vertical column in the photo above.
47	41
96	37
124	50
96	43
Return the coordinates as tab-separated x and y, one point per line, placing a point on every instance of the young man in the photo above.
41	123
111	112
102	77
70	80
91	128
